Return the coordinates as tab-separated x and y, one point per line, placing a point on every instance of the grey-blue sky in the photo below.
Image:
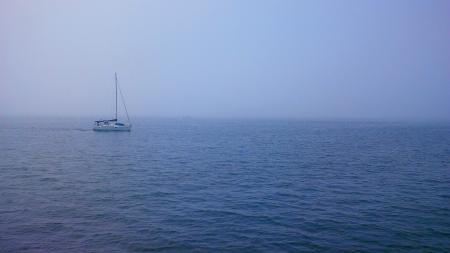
321	59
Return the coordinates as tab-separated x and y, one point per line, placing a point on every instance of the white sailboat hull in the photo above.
111	128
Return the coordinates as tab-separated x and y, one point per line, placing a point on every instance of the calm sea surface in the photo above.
193	185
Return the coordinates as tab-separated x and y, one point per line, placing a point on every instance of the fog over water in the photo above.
295	59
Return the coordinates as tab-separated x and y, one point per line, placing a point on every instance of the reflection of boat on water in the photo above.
113	124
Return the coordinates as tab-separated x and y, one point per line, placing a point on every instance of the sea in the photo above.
224	185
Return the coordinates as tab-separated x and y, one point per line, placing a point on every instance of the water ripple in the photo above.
225	186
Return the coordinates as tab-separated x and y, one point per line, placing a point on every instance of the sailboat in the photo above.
114	124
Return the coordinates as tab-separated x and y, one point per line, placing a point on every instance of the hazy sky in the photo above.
321	59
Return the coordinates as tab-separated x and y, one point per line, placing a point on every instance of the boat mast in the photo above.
115	73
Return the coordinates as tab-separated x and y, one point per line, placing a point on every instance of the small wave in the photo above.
82	129
59	129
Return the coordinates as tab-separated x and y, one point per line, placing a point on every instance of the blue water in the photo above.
188	185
